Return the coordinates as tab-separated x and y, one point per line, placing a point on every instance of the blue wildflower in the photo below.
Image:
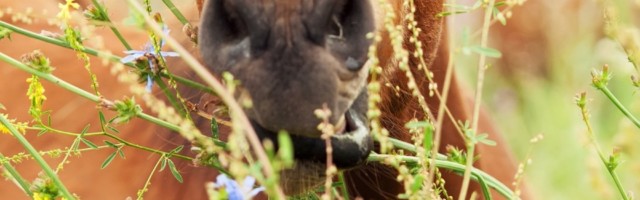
149	52
237	191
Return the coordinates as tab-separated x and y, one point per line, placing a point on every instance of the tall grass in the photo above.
562	166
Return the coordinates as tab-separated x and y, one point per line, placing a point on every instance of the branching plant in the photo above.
241	155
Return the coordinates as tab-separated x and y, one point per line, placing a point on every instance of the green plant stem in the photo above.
619	105
485	188
409	147
616	180
55	80
124	142
596	146
43	164
113	28
74	145
148	182
90	51
16	176
235	110
343	186
175	11
177	104
61	131
478	98
444	96
60	150
491	181
137	146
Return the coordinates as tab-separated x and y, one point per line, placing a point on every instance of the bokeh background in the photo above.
549	49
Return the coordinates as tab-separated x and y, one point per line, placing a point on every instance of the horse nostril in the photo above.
352	64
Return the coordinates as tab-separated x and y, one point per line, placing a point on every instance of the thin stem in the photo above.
490	180
111	26
478	98
124	142
61	131
621	107
175	11
235	110
16	176
616	180
442	108
343	186
43	164
94	52
55	80
74	145
409	147
596	146
146	148
173	99
148	182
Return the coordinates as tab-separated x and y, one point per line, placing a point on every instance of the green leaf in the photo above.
163	164
427	142
486	51
113	129
174	171
103	122
84	130
43	131
484	138
108	160
417	124
121	153
285	149
485	188
110	144
214	129
89	143
417	183
177	149
5	33
499	16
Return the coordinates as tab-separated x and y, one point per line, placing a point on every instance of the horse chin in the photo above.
351	146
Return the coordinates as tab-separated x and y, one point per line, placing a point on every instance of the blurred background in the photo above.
549	49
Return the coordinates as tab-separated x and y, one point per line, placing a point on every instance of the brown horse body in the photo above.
124	176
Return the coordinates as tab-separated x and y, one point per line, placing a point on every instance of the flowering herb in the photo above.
148	53
234	190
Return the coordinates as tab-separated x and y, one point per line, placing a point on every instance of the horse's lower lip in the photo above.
350	148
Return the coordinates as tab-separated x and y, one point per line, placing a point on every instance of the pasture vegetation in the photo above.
567	151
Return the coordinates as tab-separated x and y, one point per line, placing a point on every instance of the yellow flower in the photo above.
21	126
35	92
40	196
64	13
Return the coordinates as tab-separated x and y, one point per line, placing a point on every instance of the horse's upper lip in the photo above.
351	147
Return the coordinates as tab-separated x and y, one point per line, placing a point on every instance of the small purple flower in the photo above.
237	191
150	52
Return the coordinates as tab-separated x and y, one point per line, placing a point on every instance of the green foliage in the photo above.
118	151
127	109
38	61
43	188
35	92
5	33
600	78
94	14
